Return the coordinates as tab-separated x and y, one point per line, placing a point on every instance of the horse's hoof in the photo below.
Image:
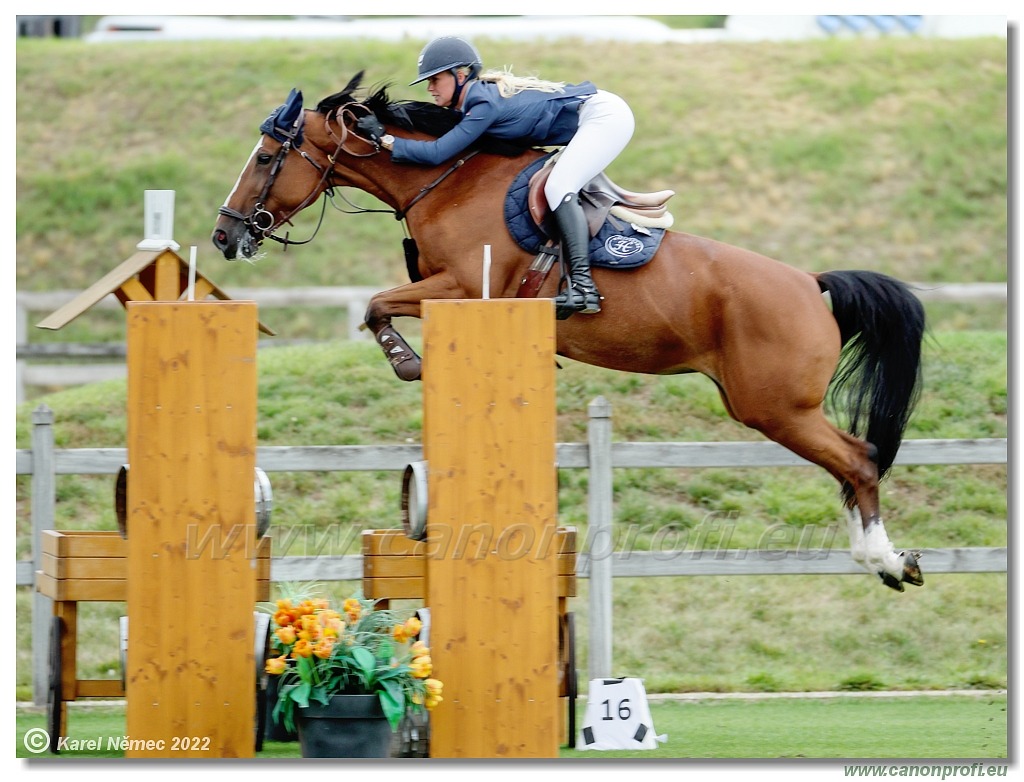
890	581
911	573
911	570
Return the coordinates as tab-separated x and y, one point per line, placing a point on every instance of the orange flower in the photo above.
399	633
353	609
285	635
284	617
324	648
276	665
310	625
302	648
419	649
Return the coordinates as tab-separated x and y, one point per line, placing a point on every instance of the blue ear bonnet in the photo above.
284	122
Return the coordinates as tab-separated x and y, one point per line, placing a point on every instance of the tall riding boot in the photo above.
580	294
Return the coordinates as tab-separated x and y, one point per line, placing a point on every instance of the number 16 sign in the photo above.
618	717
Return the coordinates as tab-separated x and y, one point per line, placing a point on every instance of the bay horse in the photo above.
775	340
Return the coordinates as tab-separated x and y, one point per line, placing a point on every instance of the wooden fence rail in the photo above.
598	561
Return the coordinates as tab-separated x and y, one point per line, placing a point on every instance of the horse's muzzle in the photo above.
234	240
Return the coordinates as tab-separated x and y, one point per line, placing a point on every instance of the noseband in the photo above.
260	222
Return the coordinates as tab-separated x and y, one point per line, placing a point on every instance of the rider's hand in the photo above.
370	126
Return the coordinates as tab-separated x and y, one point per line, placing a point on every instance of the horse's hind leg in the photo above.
850	461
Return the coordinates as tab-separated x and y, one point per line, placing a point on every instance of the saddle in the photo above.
602	197
625	227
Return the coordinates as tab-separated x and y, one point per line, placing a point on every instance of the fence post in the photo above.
601	544
21	338
44	501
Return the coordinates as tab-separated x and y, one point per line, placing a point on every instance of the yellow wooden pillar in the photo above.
489	441
191	591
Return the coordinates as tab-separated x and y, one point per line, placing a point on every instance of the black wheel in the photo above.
567	657
263	635
55	692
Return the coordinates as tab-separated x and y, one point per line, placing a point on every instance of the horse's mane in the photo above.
408	114
411	114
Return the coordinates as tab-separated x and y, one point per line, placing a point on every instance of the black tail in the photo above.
882	326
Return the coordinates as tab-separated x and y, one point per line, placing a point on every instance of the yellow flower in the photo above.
421	667
285	635
413	626
302	648
276	665
334	627
434	686
419	649
398	632
432	701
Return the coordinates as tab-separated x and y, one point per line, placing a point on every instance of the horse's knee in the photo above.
375	317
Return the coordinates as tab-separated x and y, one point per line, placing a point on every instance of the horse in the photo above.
780	344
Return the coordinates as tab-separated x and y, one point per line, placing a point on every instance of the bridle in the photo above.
261	223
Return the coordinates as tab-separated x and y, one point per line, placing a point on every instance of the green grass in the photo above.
912	727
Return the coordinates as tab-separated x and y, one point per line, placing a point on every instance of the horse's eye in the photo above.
263	158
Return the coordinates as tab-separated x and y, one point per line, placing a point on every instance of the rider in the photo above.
594	126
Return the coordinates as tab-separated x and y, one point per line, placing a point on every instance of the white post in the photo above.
44	502
487	272
191	274
159	221
600	545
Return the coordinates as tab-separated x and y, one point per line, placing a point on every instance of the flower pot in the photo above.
351	726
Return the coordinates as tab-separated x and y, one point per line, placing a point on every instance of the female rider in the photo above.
593	125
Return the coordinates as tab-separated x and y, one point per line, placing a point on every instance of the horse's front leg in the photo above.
405	301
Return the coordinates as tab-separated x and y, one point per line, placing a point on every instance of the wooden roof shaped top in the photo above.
149	275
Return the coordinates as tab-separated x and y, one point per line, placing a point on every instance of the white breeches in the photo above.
606	126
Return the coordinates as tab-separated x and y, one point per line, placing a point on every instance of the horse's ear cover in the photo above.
281	124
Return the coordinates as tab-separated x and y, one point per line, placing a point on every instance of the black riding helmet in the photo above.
447	54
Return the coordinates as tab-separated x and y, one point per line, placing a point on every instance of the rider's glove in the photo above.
370	126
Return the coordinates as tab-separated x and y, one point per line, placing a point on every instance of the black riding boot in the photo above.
580	294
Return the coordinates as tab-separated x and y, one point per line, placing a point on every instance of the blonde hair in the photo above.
509	84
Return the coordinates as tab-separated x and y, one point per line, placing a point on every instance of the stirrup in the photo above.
572	300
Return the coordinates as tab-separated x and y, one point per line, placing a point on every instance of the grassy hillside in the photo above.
887	155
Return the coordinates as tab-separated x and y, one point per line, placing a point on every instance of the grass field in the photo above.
852	727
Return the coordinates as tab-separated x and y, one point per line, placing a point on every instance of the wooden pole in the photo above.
489	441
191	591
